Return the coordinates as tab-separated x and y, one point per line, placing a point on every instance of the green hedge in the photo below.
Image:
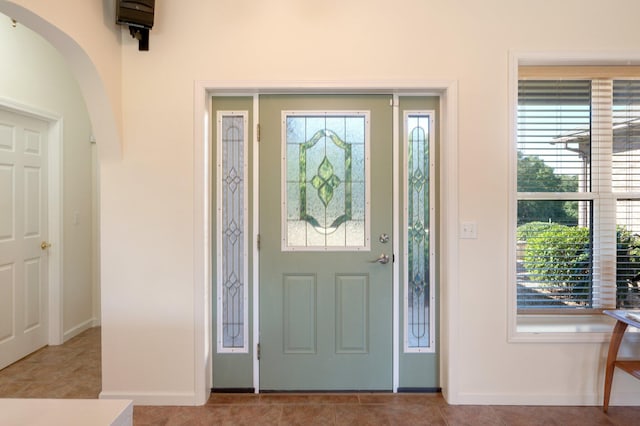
628	258
560	256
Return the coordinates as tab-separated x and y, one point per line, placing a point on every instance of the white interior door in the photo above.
23	236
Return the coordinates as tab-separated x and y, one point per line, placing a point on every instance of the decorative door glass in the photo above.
419	218
232	237
325	169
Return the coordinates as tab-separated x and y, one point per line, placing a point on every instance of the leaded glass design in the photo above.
325	202
418	242
232	226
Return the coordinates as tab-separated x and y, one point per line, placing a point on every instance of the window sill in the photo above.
595	328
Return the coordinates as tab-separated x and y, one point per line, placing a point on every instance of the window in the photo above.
578	194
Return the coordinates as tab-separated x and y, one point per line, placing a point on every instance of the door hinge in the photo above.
258	131
258	242
258	351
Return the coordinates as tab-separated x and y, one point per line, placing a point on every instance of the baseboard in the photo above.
73	332
617	399
153	398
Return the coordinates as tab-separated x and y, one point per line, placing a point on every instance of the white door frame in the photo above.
54	214
203	275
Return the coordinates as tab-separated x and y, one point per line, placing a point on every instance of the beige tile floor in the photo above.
73	371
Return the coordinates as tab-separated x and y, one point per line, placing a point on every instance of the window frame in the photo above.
551	325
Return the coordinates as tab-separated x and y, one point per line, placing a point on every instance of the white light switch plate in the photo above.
468	230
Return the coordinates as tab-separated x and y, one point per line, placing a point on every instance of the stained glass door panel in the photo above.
325	305
325	163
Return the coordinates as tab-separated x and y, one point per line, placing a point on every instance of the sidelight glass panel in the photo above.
418	216
325	168
232	232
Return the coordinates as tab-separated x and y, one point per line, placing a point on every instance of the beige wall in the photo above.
148	299
35	74
91	46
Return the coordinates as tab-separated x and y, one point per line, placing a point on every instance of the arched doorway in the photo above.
73	300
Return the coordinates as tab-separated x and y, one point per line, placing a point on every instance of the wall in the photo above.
33	73
98	74
147	214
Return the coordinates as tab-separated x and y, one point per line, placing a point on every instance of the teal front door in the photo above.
326	261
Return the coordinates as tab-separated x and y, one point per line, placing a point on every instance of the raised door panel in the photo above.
352	314
32	294
7	202
7	137
7	301
32	202
299	314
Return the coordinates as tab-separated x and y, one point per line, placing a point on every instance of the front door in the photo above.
23	235
325	242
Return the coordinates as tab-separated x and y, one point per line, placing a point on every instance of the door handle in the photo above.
382	259
45	245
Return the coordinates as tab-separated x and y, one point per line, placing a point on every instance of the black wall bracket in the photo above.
142	35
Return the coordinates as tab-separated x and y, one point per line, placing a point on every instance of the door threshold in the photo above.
420	390
233	390
332	391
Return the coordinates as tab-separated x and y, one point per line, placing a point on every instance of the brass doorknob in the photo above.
45	245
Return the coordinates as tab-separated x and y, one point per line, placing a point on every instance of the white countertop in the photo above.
67	412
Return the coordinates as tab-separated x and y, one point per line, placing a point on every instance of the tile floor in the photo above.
73	371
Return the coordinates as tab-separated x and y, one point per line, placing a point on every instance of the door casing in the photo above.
445	89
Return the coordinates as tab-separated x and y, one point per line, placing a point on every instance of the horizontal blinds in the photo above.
554	135
626	136
577	137
554	258
604	227
573	252
625	111
628	254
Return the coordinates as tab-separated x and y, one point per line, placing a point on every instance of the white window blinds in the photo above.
555	221
625	112
578	193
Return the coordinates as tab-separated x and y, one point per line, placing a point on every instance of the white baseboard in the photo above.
153	398
73	332
617	399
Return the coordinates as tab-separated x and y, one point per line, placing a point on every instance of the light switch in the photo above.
468	230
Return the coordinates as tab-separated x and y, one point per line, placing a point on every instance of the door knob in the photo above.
382	259
45	245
